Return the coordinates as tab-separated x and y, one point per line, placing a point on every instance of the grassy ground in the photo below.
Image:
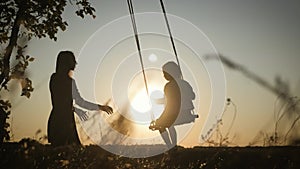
30	154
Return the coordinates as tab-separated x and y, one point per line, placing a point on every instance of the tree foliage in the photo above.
27	19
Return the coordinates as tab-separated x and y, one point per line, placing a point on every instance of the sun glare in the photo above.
144	107
141	102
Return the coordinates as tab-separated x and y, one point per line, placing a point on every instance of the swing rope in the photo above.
170	35
132	16
134	26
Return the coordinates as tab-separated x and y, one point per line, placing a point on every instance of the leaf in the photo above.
26	93
27	88
18	57
31	60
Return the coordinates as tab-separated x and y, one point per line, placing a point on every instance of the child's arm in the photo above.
160	101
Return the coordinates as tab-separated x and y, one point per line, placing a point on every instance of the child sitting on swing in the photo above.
178	104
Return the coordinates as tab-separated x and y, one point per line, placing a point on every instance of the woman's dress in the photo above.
61	123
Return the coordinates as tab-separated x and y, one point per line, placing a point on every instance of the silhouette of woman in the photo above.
63	89
178	104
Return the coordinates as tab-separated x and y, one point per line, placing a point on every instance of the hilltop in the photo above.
31	154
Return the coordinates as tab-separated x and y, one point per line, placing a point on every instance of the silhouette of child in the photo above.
178	104
63	89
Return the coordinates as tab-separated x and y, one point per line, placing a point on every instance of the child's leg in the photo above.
173	135
165	136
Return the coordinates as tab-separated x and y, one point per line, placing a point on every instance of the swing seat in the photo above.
183	118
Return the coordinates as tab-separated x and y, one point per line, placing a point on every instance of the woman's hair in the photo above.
65	62
172	69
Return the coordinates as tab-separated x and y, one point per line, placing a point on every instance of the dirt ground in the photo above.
31	154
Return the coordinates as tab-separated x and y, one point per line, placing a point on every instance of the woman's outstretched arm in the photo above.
80	101
86	104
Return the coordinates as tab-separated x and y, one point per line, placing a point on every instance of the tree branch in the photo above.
4	77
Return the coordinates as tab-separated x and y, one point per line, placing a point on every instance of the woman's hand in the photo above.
81	114
106	108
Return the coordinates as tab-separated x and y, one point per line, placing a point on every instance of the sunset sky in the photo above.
261	35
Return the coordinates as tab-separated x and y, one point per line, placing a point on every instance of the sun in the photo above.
145	107
141	102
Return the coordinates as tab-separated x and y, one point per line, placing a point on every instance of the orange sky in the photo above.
263	36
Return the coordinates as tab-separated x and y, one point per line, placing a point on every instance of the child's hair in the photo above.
172	69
